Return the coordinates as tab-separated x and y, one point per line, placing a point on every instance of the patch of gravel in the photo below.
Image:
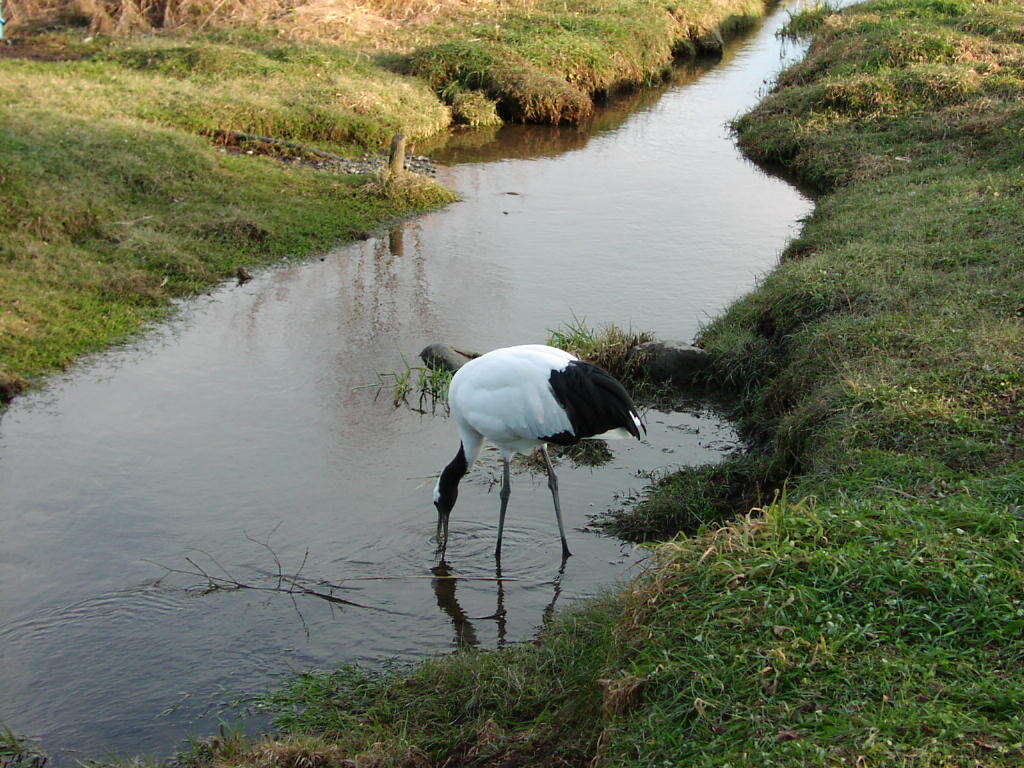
368	163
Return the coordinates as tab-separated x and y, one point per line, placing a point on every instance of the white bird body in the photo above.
521	398
504	396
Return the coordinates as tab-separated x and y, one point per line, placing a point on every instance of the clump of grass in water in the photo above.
807	20
611	347
429	386
616	350
17	752
409	189
585	453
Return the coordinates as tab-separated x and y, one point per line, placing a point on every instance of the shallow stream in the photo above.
245	418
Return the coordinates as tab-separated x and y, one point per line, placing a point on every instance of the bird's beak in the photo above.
442	527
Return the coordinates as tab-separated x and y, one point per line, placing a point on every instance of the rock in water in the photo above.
441	357
674	361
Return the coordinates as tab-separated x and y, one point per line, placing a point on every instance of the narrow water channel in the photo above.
244	418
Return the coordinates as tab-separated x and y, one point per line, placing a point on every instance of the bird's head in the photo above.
446	492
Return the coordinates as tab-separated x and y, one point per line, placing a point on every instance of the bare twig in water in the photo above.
220	579
287	586
273	554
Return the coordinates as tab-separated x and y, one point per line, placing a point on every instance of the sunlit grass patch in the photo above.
410	190
101	232
318	94
611	347
526	60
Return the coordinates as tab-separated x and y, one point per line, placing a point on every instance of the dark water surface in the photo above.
243	416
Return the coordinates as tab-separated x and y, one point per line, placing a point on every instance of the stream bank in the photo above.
101	234
869	614
253	412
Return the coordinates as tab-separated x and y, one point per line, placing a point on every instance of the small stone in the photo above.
441	357
674	361
10	386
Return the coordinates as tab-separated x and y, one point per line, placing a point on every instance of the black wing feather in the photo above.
594	401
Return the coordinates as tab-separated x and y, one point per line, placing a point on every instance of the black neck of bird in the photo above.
451	474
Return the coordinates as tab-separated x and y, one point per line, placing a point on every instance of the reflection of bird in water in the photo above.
521	398
445	583
444	590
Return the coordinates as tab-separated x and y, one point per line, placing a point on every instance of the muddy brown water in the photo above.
244	416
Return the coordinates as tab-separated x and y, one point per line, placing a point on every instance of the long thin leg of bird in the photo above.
506	491
553	485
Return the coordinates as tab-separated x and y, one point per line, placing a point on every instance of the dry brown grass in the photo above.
337	20
408	188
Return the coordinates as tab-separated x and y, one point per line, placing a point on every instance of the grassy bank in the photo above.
870	615
103	221
113	198
524	60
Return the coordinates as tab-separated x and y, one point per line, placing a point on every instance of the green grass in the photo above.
694	498
111	206
871	612
473	707
255	82
546	61
113	199
16	752
105	220
881	367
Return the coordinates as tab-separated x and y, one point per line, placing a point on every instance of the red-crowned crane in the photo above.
521	398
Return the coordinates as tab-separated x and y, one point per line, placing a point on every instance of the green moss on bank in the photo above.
881	366
872	615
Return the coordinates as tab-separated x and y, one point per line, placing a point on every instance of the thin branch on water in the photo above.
221	579
266	546
287	586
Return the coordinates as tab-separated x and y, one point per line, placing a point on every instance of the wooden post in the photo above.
396	159
396	240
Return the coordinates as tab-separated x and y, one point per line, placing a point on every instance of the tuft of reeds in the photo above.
409	189
610	347
807	20
428	386
585	453
19	752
